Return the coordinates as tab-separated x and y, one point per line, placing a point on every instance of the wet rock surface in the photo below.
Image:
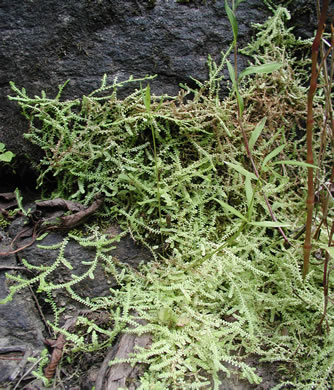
46	42
21	328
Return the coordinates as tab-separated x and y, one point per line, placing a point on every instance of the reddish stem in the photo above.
309	128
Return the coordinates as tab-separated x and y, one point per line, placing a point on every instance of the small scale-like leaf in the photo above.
256	133
128	129
146	201
94	338
123	177
66	263
224	127
81	186
231	292
265	68
182	321
165	314
167	198
87	262
272	154
106	155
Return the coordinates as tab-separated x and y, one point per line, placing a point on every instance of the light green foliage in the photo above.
5	156
174	173
42	362
3	222
273	31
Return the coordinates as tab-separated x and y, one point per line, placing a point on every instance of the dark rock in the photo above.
20	325
46	42
304	18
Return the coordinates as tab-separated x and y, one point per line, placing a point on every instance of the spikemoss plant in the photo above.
223	285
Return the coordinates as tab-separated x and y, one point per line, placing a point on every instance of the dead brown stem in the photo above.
309	128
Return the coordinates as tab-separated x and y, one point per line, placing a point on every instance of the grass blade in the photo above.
294	162
231	209
265	68
272	154
270	224
241	170
256	133
233	21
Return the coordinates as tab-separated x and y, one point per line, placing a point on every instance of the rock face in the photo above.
20	325
22	331
46	42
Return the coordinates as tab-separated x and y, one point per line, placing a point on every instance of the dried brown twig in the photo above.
309	141
56	221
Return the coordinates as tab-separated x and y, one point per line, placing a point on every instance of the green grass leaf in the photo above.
249	190
298	163
270	224
230	209
265	68
147	98
240	102
272	154
232	75
256	133
241	170
235	87
233	21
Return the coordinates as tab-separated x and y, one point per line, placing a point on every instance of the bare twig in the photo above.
309	128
